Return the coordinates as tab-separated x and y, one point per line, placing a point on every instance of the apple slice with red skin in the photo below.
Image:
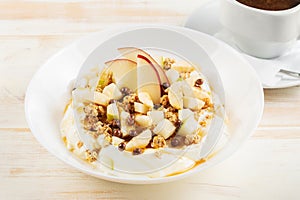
132	52
148	78
124	73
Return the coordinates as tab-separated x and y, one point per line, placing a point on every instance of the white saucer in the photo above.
206	19
46	98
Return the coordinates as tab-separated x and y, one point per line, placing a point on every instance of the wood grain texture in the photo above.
266	167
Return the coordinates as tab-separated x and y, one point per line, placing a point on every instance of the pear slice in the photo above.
139	141
188	127
112	112
164	128
172	75
100	98
124	72
175	95
200	94
156	116
140	108
193	103
112	91
184	114
123	120
116	140
183	68
132	53
143	120
148	79
145	98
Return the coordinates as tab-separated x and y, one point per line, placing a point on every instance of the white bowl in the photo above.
46	94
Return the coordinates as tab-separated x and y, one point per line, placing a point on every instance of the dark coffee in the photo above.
271	4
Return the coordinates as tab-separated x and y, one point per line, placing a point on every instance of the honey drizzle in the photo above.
197	163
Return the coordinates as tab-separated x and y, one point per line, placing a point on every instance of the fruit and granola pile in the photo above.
139	103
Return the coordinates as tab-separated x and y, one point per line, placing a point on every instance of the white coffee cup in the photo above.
260	33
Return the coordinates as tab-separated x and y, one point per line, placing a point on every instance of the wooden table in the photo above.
266	167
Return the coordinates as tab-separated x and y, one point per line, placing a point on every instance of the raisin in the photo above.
137	151
198	82
176	141
125	90
112	101
165	85
115	123
130	120
133	133
156	106
117	133
177	124
122	146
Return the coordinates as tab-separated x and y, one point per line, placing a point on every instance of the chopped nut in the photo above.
185	75
158	142
97	125
203	123
108	138
129	108
188	140
105	129
164	101
79	144
207	104
93	133
101	111
196	139
91	156
130	99
171	115
91	110
192	139
167	63
65	140
89	121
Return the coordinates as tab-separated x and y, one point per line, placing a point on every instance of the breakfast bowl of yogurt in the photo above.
135	110
143	115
